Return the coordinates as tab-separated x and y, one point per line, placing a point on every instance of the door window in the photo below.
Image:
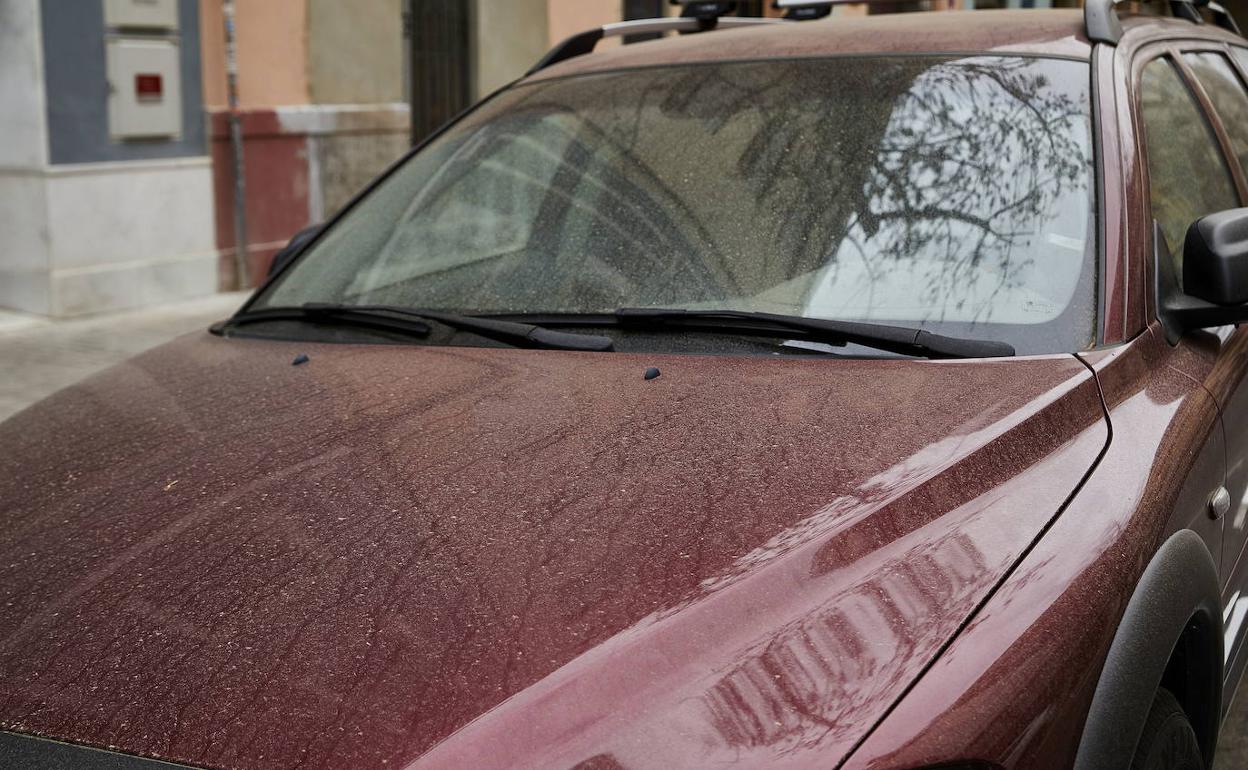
1188	177
1225	90
1241	55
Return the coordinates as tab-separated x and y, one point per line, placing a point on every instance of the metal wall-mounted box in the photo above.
145	88
141	14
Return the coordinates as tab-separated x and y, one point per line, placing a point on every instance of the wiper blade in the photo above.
893	339
370	318
902	340
412	322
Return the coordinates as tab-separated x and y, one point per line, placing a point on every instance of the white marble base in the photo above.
97	237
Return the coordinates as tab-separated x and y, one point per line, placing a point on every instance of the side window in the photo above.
1241	55
1219	80
1188	177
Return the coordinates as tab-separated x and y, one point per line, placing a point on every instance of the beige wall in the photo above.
294	52
512	35
355	51
272	52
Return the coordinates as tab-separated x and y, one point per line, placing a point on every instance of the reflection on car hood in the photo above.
456	557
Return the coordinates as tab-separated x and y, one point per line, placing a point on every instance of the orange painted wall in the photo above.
272	52
567	17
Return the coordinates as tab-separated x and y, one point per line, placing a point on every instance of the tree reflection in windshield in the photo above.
948	193
942	179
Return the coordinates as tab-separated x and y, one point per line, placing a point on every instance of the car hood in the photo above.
458	557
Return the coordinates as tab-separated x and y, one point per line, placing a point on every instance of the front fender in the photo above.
1178	592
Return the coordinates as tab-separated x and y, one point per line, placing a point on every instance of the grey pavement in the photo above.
39	357
1233	742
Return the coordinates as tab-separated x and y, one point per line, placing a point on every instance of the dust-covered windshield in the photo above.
953	194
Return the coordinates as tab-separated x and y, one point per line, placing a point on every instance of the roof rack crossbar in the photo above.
706	9
584	42
804	10
1221	16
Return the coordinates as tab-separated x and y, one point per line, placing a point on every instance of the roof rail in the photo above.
1100	17
1100	20
584	42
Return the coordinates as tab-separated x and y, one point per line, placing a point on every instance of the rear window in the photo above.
951	193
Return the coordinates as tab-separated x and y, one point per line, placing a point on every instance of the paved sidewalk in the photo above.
1233	742
39	356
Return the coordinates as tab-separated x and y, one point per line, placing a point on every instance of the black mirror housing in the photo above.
1215	258
292	249
1215	275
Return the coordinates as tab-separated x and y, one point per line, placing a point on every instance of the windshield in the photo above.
948	193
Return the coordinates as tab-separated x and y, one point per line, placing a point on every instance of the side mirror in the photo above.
1214	290
1215	258
292	249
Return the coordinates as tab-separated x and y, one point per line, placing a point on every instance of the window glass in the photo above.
951	193
1241	55
1225	90
1188	177
492	211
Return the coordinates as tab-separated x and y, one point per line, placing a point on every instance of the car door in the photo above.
1215	83
1217	79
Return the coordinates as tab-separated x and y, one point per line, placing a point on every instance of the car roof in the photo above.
1057	32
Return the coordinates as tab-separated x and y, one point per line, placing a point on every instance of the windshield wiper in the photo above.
902	340
412	322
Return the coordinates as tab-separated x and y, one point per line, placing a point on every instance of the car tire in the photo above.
1168	741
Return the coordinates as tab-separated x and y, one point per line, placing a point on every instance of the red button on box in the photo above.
149	87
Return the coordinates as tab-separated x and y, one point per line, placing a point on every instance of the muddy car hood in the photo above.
455	557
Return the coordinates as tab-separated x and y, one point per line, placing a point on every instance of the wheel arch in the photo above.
1171	633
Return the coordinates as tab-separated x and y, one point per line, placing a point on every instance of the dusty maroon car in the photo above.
860	393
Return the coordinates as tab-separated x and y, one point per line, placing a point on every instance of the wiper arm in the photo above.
412	322
516	333
894	339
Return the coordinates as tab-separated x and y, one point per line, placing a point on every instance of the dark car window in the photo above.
1188	176
948	193
1218	78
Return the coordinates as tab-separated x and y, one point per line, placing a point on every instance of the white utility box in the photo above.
141	14
145	88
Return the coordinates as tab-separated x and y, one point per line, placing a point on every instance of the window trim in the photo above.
1112	269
